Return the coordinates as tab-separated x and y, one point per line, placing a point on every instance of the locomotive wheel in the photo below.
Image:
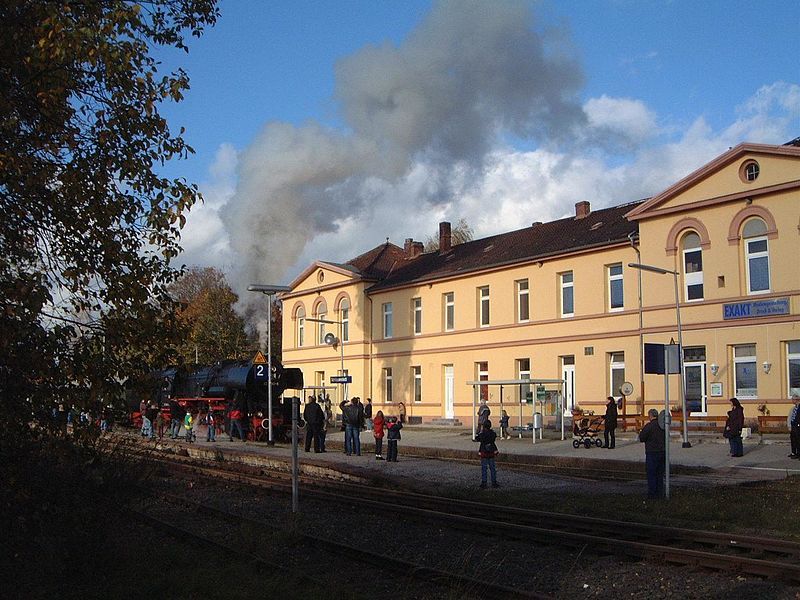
598	442
576	443
587	443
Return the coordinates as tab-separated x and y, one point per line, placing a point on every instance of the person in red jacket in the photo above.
377	431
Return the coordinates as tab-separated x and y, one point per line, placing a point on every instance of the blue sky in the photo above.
661	87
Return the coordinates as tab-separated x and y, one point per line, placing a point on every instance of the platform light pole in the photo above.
661	271
270	291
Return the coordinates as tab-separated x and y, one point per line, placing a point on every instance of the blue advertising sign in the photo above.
755	308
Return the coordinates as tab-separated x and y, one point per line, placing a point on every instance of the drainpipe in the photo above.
631	236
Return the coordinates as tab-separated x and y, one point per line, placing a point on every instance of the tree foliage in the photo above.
88	225
215	331
461	233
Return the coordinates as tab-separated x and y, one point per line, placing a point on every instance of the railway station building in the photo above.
559	300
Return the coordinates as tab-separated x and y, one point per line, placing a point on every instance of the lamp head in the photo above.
767	366
714	369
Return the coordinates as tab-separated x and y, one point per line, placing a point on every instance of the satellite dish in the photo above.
330	339
626	389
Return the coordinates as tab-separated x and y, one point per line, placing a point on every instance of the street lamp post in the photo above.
270	291
660	271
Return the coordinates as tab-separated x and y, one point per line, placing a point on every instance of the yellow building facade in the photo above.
560	300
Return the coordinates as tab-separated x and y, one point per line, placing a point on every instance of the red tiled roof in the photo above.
378	262
600	228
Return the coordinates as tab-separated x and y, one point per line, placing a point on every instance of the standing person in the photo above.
793	423
393	426
235	417
145	424
377	432
152	416
368	413
159	423
314	418
211	422
401	410
504	433
733	428
188	424
353	419
483	414
655	455
488	452
610	419
175	417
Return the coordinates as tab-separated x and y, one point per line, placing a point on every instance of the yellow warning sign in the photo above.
259	358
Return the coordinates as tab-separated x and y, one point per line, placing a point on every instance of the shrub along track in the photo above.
746	555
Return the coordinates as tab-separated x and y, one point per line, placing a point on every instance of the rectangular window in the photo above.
482	372
387	385
319	378
757	265
745	373
693	274
523	301
567	295
417	373
483	300
793	367
416	304
615	299
388	325
301	331
321	328
345	314
616	368
524	372
449	311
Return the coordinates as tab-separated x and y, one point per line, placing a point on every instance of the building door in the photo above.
695	377
568	375
449	389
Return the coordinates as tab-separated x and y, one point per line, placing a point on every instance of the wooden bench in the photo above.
698	423
769	424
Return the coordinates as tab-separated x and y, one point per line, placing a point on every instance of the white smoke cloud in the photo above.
425	123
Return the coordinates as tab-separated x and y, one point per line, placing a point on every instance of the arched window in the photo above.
301	326
756	256
322	313
692	267
344	317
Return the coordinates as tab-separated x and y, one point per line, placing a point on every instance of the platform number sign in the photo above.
260	368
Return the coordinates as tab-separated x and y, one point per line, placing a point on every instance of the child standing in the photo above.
487	452
393	426
188	424
377	431
504	426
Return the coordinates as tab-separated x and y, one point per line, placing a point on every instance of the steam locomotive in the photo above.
219	388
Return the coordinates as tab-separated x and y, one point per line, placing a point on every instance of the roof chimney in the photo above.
582	209
412	249
445	237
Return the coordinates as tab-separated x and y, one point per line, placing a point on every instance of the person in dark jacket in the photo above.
176	414
655	455
487	451
393	427
314	418
793	422
610	419
734	426
353	417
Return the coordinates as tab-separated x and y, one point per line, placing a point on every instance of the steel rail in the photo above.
608	538
410	569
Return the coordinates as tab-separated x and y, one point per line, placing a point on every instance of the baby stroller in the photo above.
585	431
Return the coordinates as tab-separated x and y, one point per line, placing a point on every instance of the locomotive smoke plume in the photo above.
469	74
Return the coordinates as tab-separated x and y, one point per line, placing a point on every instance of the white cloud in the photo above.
625	118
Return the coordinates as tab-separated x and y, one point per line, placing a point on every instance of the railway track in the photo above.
747	555
450	582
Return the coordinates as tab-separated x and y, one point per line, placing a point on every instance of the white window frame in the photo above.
301	327
750	256
523	299
388	392
614	364
567	286
416	372
792	359
344	317
449	311
742	360
612	278
524	372
695	278
482	374
483	306
416	313
388	321
322	312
